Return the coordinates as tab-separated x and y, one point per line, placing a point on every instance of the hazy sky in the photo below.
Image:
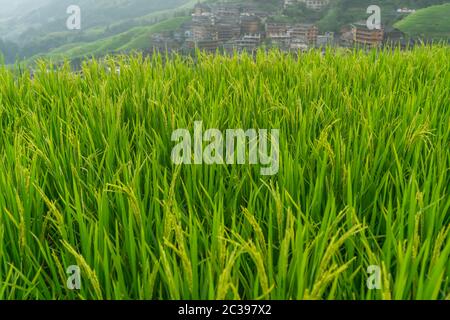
17	7
11	8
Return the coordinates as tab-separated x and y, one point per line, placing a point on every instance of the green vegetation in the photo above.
432	22
364	179
342	12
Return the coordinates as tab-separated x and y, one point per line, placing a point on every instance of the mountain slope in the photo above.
42	30
432	22
343	12
51	17
133	39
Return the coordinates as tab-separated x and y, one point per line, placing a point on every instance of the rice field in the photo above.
87	179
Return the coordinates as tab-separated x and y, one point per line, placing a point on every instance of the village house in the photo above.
276	30
249	42
250	24
405	10
310	4
202	23
226	32
366	37
283	34
304	31
298	44
201	9
325	40
226	9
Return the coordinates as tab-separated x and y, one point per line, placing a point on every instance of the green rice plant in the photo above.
86	178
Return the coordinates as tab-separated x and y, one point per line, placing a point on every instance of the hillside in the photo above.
343	12
432	22
51	16
42	31
133	39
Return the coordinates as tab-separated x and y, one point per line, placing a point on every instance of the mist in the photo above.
15	8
